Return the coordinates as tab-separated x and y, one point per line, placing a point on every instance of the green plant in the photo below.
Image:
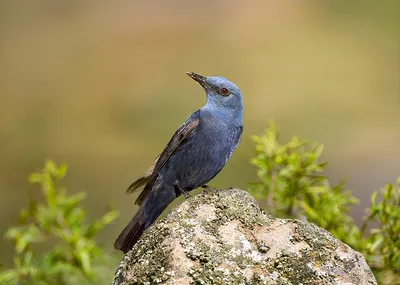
292	185
382	247
57	222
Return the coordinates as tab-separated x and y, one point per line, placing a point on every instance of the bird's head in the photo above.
220	92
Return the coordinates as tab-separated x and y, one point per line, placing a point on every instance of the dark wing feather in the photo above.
142	180
150	176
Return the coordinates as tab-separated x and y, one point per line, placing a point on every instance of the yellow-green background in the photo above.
101	85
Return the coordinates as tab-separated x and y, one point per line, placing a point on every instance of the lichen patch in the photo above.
205	213
178	262
229	233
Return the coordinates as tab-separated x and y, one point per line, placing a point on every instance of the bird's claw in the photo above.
209	189
186	195
179	191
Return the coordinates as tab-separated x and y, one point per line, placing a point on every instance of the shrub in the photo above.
292	185
58	221
382	247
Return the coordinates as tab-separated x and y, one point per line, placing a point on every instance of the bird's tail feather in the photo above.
130	234
152	207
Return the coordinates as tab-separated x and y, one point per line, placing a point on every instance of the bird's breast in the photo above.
203	154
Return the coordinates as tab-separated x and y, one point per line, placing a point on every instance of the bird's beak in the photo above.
199	78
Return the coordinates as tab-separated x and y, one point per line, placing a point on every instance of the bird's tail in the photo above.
151	208
130	234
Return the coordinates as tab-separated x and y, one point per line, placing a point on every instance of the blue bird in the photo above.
196	153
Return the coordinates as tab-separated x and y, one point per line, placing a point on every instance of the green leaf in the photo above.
98	225
35	178
62	171
51	168
85	261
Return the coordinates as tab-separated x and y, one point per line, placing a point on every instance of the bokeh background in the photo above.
101	85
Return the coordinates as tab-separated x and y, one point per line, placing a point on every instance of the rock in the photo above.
225	238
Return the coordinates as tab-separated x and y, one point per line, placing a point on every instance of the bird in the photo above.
195	154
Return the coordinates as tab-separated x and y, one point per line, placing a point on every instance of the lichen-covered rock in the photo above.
225	238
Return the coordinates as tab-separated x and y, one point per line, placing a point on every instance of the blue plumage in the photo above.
196	153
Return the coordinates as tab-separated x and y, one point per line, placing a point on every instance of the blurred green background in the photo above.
101	86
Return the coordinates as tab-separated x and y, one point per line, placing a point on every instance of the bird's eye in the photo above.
224	91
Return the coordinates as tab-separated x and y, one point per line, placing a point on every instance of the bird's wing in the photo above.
150	176
142	180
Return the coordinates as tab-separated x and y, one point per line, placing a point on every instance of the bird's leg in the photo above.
209	189
179	191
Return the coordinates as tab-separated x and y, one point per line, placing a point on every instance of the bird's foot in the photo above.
179	191
186	195
209	189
